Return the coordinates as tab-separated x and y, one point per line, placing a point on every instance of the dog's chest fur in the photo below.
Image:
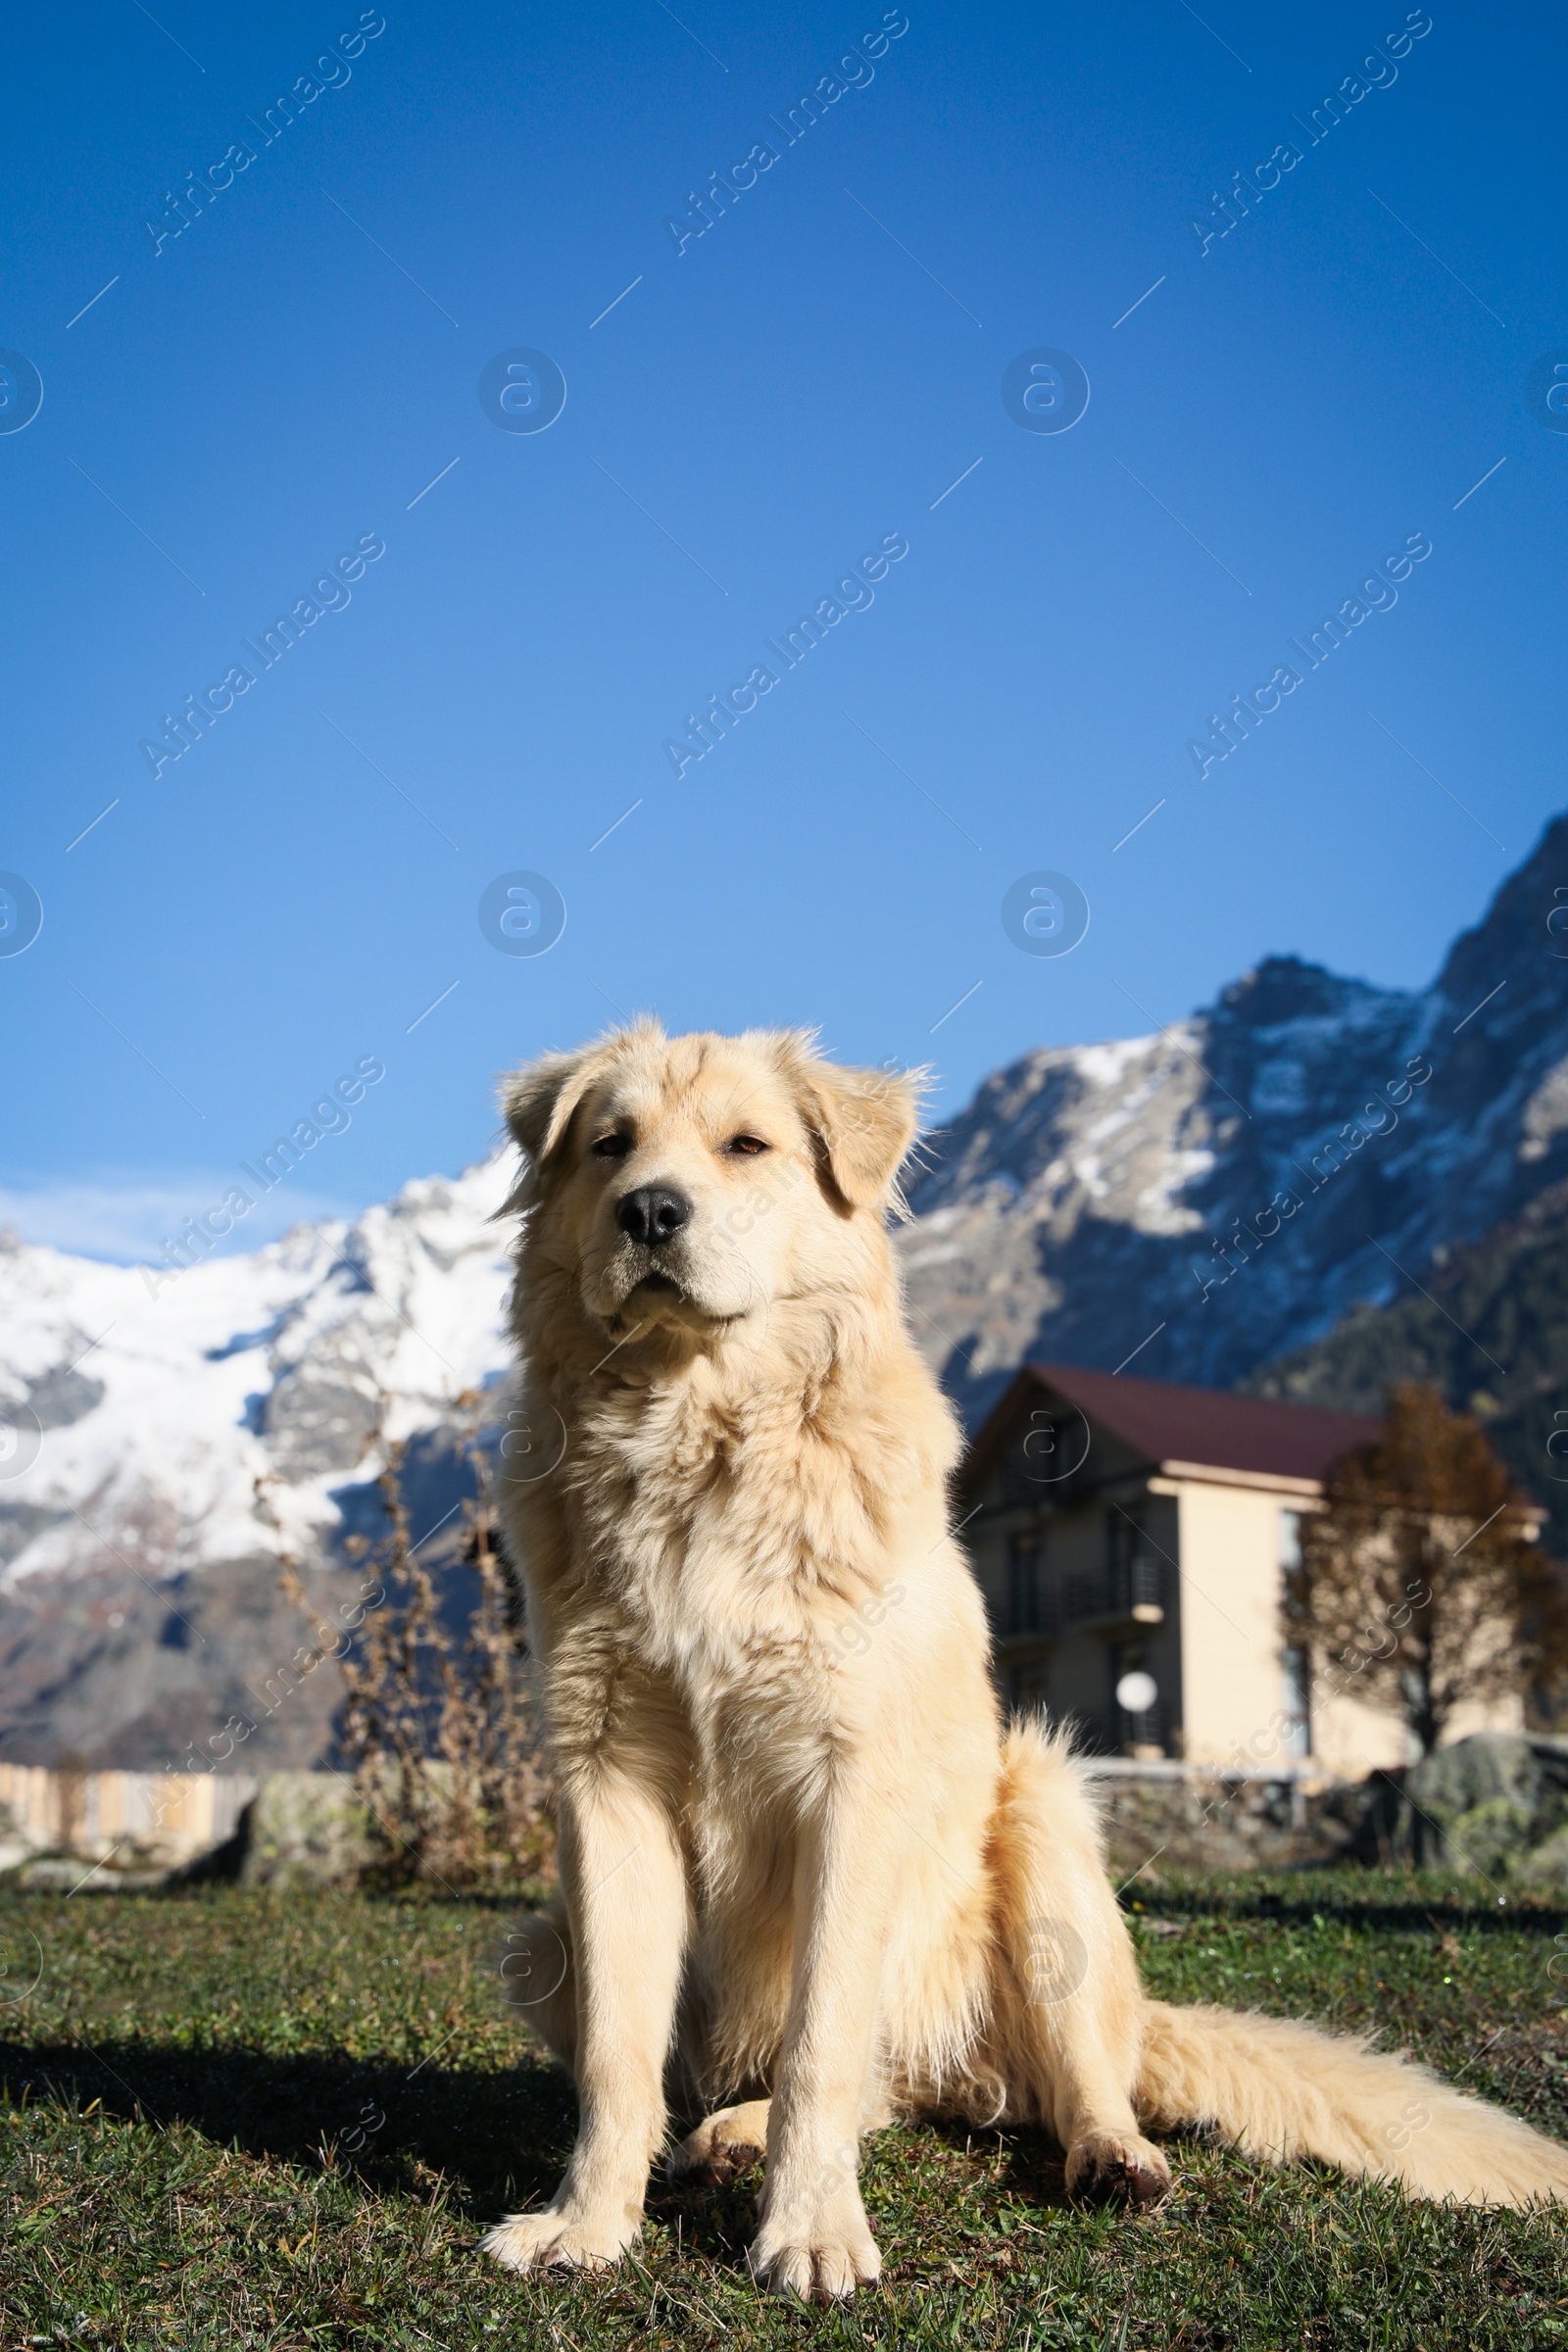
718	1527
716	1547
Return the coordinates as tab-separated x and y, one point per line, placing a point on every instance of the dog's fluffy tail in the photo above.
1280	2090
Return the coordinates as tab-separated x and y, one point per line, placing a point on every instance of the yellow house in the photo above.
1131	1537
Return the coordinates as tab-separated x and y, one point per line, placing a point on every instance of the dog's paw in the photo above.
561	2238
823	2261
721	2146
1116	2167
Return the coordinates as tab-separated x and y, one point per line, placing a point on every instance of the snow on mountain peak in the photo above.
171	1392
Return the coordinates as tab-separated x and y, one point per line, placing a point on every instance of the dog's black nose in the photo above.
653	1214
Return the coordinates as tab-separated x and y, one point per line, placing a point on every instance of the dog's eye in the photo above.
748	1145
611	1146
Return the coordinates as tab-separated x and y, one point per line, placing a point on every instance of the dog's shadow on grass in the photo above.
1376	1911
501	2138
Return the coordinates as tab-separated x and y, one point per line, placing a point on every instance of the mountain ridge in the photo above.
1201	1201
1084	1203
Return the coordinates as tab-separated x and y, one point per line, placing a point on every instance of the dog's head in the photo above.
689	1183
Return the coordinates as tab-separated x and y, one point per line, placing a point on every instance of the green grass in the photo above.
233	2118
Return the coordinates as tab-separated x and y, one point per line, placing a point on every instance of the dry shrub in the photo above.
438	1726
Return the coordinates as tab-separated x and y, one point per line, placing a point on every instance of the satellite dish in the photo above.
1136	1692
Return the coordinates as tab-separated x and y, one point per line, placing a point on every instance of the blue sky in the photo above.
275	388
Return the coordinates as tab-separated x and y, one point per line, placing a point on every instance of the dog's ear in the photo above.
539	1099
862	1121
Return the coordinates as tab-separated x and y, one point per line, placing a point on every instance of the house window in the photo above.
1297	1658
1026	1585
1135	1566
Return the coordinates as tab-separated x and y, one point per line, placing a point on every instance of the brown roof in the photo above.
1169	1423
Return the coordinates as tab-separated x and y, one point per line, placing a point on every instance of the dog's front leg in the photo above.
812	2236
627	1901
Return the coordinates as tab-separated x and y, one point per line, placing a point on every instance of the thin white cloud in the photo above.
127	1219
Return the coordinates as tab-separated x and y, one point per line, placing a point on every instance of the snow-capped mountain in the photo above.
140	1601
1203	1199
1222	1191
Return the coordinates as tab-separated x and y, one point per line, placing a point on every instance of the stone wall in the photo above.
1496	1803
1176	1816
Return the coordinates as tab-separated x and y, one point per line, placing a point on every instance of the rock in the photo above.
1491	1836
1488	1768
304	1829
1496	1803
1546	1866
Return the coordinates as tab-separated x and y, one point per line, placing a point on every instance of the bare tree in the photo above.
1419	1574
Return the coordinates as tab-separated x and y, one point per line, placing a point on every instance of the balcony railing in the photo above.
1116	1592
1112	1731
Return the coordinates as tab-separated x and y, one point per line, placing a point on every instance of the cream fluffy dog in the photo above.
809	1877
